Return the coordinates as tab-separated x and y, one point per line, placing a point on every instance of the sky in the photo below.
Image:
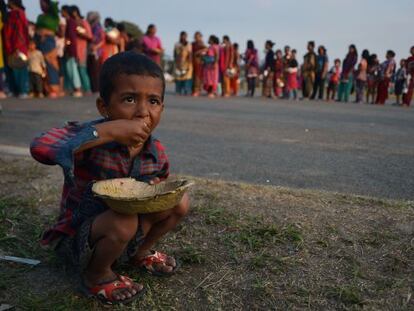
377	25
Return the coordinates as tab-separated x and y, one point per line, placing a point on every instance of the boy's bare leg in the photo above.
110	234
156	225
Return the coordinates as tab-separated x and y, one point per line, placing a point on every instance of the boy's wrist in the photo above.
103	131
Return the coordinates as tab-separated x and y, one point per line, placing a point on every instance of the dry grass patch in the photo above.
242	247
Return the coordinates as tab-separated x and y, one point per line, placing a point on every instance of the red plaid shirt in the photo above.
107	161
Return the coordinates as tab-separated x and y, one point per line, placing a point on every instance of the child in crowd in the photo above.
37	70
333	78
400	82
91	237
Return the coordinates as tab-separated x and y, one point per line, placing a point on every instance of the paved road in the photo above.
349	148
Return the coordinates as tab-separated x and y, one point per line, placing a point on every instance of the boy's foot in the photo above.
120	290
156	263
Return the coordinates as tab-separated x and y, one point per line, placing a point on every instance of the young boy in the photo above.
333	78
88	234
37	70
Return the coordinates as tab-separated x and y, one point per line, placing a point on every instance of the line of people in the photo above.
217	68
62	52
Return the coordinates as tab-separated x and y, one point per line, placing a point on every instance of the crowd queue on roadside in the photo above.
217	68
62	52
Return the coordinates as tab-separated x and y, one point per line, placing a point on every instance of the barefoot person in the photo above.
88	234
47	25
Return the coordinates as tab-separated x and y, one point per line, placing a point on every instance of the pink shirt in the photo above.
150	43
82	43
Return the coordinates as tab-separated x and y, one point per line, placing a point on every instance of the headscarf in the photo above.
93	17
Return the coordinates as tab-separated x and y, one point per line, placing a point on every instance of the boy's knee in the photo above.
182	208
123	227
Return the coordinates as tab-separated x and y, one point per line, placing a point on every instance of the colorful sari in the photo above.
211	69
386	71
46	27
197	47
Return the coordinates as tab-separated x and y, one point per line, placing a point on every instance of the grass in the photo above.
241	247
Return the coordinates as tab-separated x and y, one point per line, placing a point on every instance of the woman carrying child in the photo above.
47	25
211	67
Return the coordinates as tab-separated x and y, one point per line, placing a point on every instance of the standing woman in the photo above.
211	67
3	19
251	60
83	36
279	83
123	37
95	49
386	71
347	76
112	37
73	81
372	78
16	45
322	64
226	64
47	26
409	63
152	44
308	71
234	80
291	75
268	70
183	65
198	48
361	76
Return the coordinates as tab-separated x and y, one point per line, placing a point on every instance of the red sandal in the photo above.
104	292
147	264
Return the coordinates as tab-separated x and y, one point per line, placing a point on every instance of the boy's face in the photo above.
134	97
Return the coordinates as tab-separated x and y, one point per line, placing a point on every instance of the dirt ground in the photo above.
242	247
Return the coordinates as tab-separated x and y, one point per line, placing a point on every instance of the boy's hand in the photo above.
127	132
154	181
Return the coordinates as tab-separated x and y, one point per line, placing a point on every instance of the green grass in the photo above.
241	247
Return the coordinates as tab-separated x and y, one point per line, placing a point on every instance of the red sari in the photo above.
387	69
211	70
410	69
197	47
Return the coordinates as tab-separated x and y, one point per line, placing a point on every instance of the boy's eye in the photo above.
129	99
154	101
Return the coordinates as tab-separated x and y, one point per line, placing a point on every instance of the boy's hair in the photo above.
337	60
128	63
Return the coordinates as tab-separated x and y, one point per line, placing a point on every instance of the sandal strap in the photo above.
155	257
105	290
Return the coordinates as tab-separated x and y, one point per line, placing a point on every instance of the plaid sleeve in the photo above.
164	164
58	145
